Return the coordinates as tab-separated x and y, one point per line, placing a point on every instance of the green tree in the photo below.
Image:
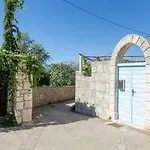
61	75
28	45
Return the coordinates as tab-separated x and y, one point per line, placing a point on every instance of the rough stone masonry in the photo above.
92	93
23	109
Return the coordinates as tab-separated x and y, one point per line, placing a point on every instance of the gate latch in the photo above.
133	92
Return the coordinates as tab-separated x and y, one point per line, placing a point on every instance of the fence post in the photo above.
80	63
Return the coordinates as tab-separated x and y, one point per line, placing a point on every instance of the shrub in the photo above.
61	75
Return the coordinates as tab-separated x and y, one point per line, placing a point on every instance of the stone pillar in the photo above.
80	63
23	109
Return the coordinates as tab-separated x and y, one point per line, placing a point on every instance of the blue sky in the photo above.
65	31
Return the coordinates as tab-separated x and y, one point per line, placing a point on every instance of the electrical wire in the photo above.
106	20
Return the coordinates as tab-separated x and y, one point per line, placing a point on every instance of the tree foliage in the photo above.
44	79
61	75
28	45
11	58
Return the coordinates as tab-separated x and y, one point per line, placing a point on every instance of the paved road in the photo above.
55	127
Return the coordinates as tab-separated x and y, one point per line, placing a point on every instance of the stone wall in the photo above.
46	94
92	93
23	109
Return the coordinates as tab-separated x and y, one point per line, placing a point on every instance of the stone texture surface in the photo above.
58	128
100	90
46	94
92	93
23	99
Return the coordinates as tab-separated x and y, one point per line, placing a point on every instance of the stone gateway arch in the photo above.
116	58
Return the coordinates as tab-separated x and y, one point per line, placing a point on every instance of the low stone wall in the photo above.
92	93
46	94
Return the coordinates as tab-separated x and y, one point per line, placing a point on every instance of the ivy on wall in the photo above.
11	58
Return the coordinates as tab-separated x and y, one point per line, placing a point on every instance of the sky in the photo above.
65	31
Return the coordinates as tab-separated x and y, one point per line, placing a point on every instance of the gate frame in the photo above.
124	44
128	65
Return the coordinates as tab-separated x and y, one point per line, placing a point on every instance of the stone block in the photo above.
147	87
140	41
147	78
91	101
28	91
114	55
18	93
26	85
97	77
147	54
19	86
20	76
97	86
147	69
112	85
83	100
97	94
103	88
19	105
101	96
113	61
147	105
94	69
112	77
19	120
18	113
27	97
112	92
19	99
99	110
147	60
78	73
91	86
111	99
107	96
112	69
135	39
145	46
89	93
108	85
129	37
121	43
27	104
78	91
78	77
77	84
27	115
112	107
100	68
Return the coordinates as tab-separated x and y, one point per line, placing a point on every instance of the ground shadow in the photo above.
52	114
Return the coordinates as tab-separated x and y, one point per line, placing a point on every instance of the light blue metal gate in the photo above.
131	93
